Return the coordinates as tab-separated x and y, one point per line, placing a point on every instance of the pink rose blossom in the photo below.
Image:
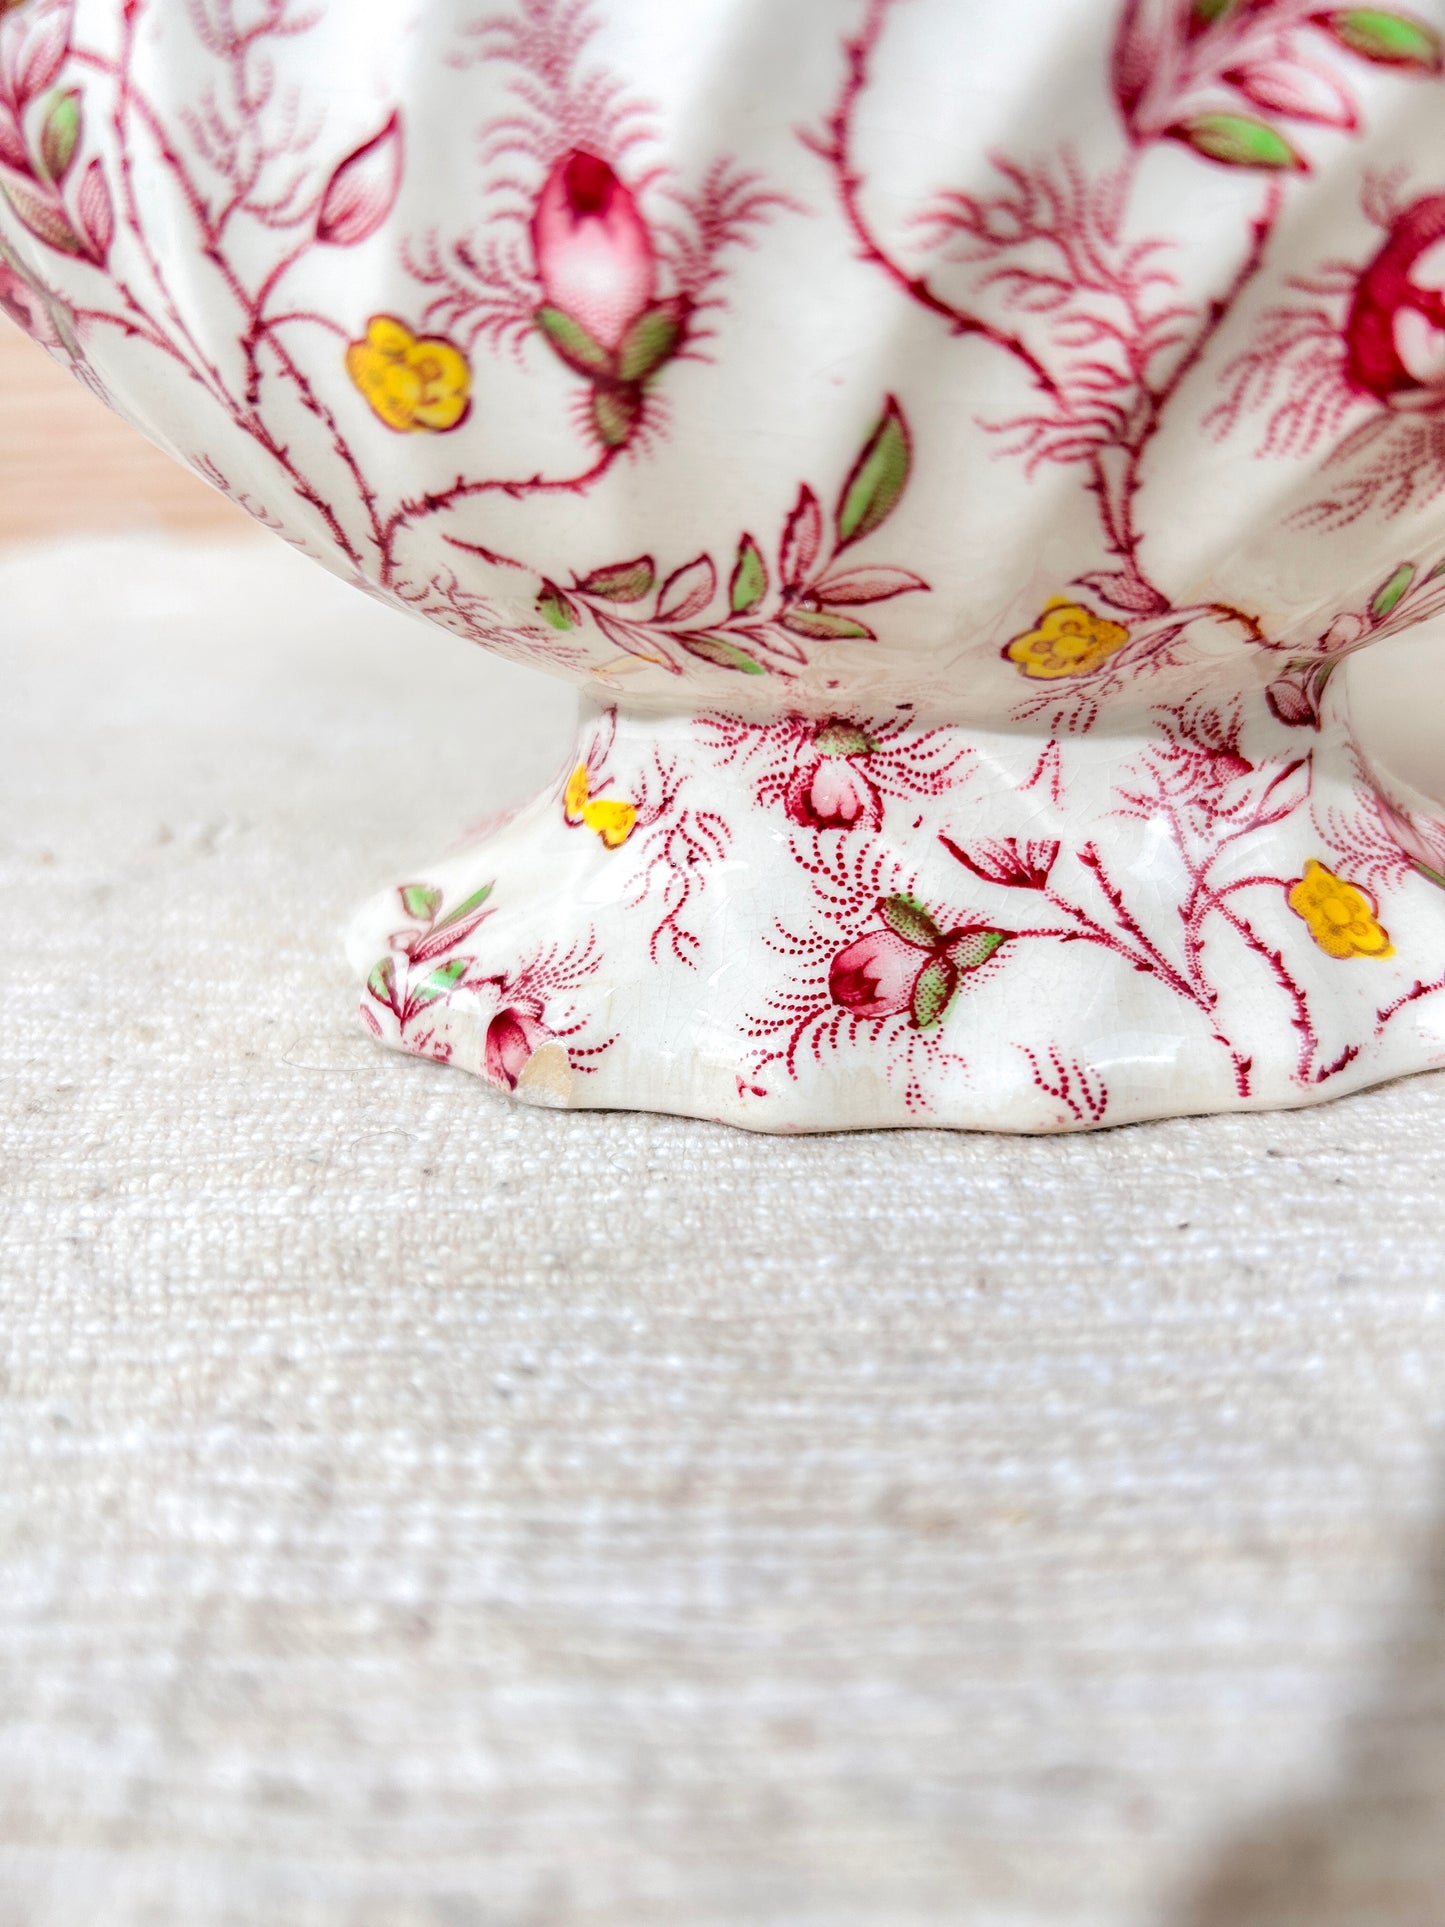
1395	330
512	1036
874	976
832	793
595	257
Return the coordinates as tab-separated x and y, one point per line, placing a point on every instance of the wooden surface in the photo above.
67	465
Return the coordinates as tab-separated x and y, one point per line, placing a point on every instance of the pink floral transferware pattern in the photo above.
936	443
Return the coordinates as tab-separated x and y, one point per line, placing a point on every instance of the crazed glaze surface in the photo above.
954	446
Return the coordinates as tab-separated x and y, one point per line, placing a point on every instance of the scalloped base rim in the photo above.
853	922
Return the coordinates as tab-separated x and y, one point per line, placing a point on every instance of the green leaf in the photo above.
1208	13
1431	876
722	654
382	982
420	901
554	608
878	479
615	413
907	918
651	340
1390	593
621	581
933	992
1237	141
749	579
59	132
970	948
466	907
572	342
824	625
1391	39
43	217
843	739
439	982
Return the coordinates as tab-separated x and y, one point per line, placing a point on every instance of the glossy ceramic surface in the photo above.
954	446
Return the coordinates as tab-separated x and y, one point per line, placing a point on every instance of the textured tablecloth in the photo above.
421	1512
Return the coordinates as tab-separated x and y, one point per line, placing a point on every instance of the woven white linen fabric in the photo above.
421	1512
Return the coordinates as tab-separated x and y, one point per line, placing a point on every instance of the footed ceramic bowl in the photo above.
953	446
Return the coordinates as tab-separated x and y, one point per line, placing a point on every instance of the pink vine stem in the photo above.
1419	989
1115	493
837	151
1116	507
464	490
261	328
130	103
1207	898
1130	942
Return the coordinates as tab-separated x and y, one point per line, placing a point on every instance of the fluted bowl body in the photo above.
954	445
996	361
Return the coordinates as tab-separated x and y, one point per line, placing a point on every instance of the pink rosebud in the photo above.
512	1036
1149	31
1395	330
874	976
1294	697
595	257
832	793
363	190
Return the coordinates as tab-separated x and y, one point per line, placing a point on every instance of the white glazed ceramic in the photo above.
952	444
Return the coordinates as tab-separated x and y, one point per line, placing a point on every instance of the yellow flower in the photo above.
412	384
574	797
611	817
1067	640
1341	916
